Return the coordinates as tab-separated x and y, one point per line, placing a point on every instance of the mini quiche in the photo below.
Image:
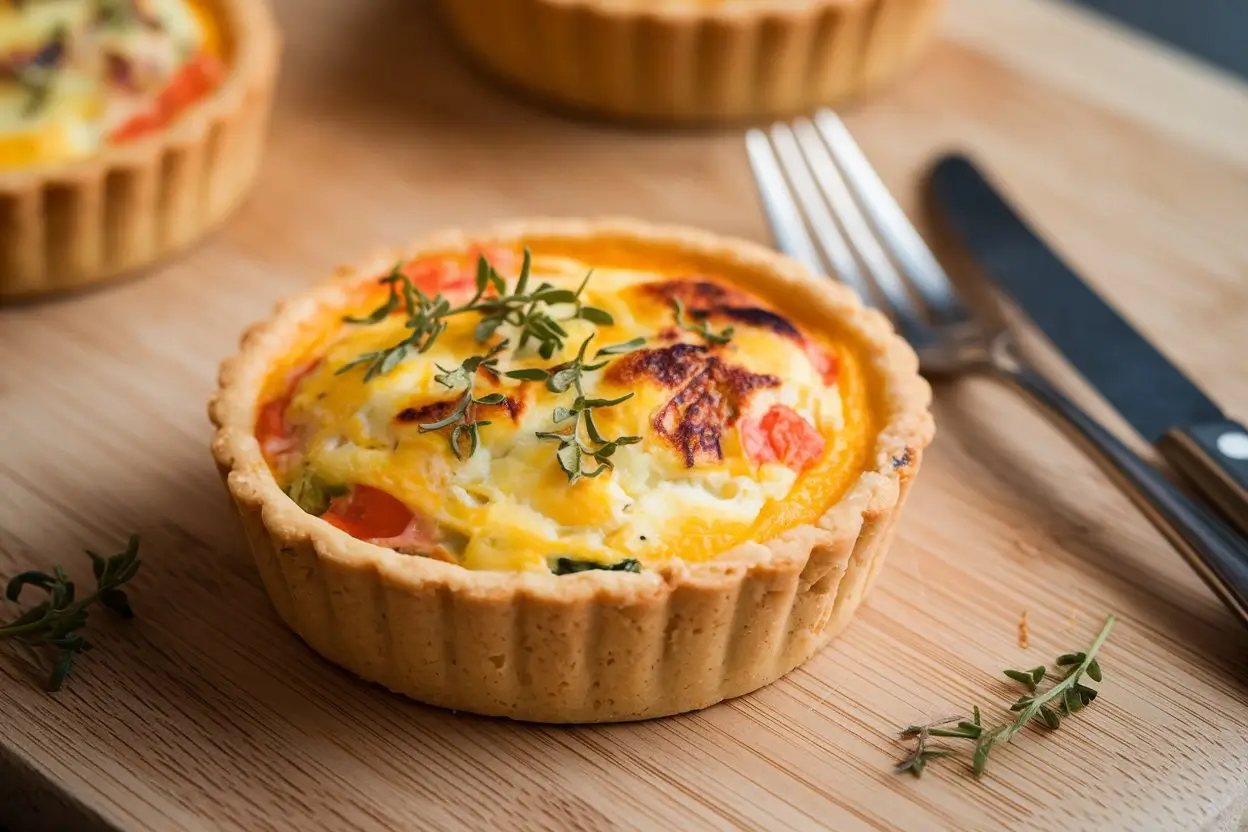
571	471
694	61
127	129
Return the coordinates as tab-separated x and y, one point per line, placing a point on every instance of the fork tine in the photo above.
915	258
856	228
840	257
782	215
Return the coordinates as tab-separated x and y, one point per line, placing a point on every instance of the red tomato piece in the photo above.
272	431
755	443
197	77
434	276
140	124
369	514
503	260
824	362
176	97
783	436
207	71
456	276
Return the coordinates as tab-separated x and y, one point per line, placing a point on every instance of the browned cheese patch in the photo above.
703	299
436	411
710	395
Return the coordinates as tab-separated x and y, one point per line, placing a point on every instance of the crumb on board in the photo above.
1023	634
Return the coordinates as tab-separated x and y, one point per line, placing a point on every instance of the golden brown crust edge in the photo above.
64	227
692	63
595	646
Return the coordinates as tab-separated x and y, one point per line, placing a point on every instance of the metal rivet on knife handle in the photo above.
1215	458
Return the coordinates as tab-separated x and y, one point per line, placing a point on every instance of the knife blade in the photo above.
1150	392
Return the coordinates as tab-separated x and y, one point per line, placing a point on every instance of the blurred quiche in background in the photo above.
128	128
571	471
693	61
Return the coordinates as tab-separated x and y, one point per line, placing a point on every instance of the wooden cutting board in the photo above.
206	713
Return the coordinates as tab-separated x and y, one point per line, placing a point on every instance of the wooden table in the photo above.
207	713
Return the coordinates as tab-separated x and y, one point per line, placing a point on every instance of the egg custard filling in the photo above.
79	75
557	412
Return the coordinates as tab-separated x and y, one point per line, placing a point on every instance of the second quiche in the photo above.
128	130
571	471
694	61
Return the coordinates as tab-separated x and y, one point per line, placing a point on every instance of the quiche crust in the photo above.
684	61
70	225
596	646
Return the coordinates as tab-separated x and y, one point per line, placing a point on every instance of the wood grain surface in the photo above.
206	713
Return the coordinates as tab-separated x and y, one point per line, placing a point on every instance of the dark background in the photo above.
1215	30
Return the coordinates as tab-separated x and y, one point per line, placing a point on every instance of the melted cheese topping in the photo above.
738	441
76	74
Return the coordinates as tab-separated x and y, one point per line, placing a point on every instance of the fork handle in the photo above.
1218	554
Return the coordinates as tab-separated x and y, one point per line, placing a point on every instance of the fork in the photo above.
812	175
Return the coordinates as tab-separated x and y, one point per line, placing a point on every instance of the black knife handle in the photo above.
1215	458
1213	549
1132	374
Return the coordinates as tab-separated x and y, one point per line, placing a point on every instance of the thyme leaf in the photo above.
527	311
702	327
567	566
573	451
424	319
466	428
621	349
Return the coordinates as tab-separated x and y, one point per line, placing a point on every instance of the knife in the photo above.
1160	402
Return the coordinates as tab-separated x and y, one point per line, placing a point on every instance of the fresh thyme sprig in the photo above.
1065	697
56	621
572	450
702	327
523	309
462	415
526	310
424	318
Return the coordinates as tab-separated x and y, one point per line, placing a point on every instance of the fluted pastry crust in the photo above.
693	62
596	646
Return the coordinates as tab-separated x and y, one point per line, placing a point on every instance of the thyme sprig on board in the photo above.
1065	697
918	759
56	621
